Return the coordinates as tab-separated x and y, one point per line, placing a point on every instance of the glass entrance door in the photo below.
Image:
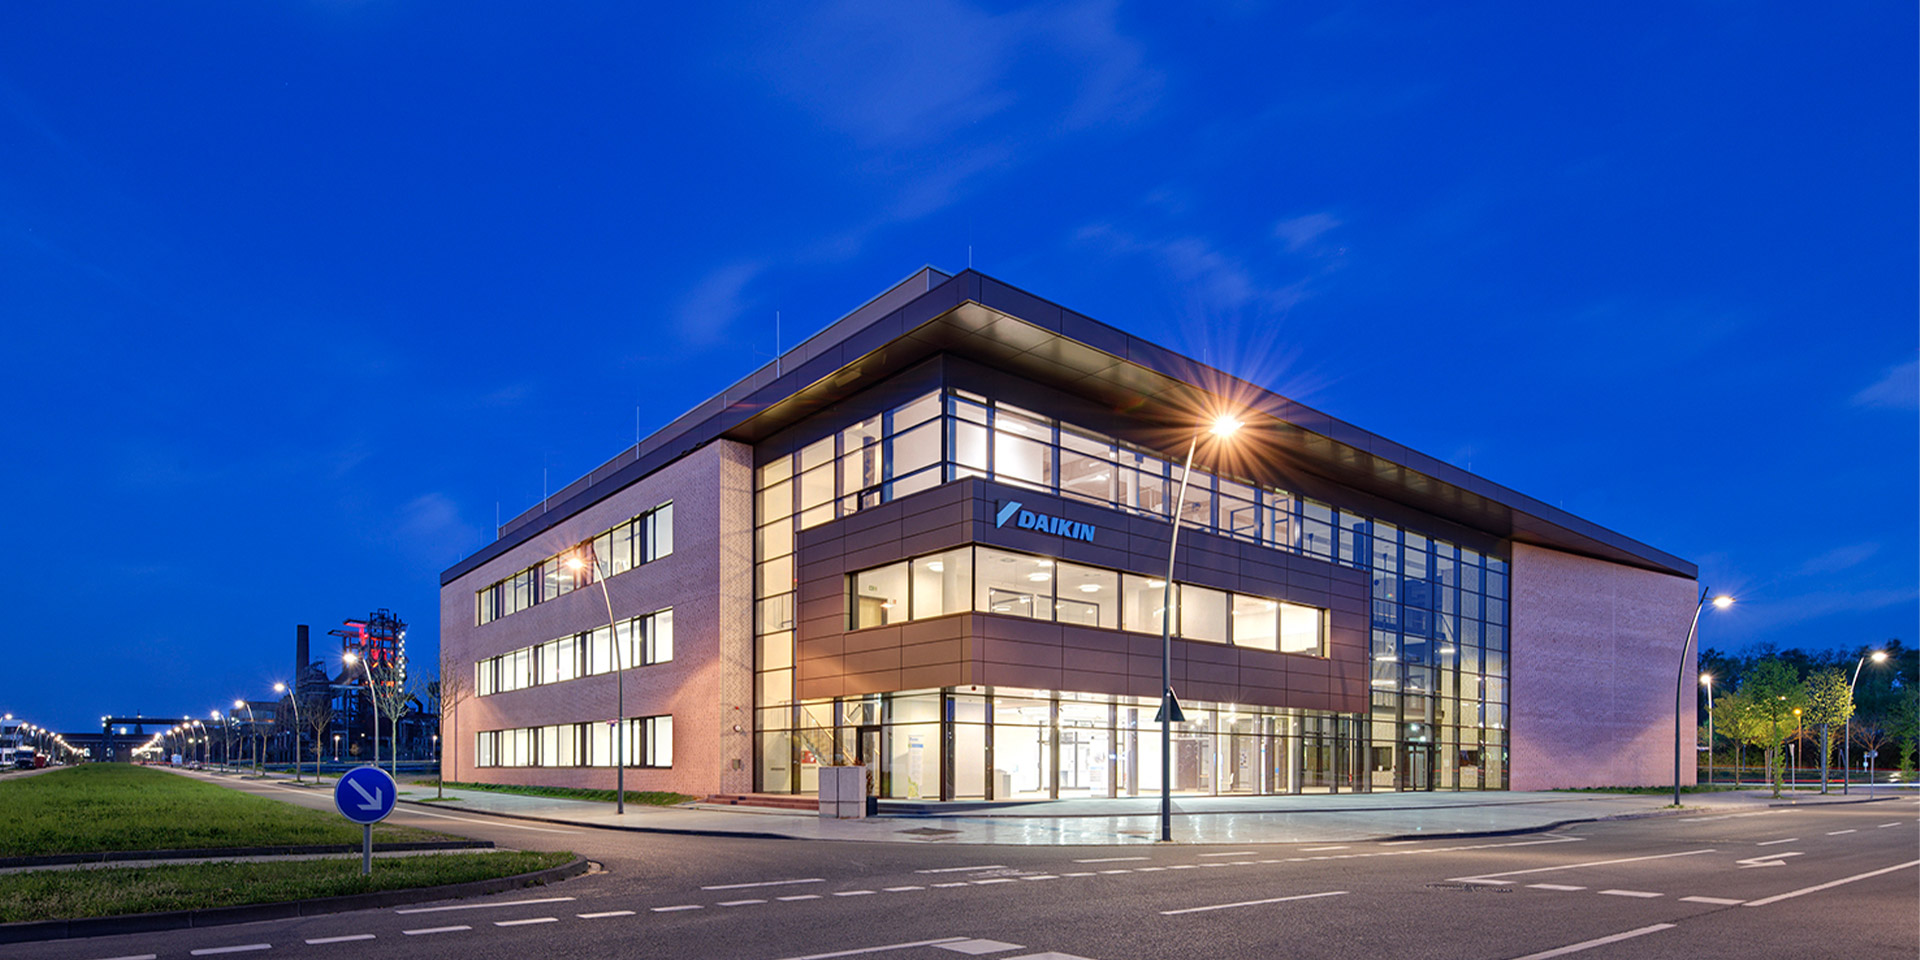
868	746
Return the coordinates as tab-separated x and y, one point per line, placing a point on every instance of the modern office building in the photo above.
933	540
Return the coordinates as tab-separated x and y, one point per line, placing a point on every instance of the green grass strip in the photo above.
656	798
72	894
116	806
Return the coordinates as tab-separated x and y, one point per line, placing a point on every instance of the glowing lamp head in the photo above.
215	714
575	563
1706	679
1722	602
279	688
1224	426
349	658
239	704
1879	656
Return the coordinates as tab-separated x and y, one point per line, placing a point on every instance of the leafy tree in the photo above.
1775	691
1738	719
1829	701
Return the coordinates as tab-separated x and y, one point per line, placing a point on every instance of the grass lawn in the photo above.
68	894
657	798
116	806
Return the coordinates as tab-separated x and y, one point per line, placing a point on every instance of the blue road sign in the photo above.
365	795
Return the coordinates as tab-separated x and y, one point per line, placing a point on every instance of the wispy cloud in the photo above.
1215	282
704	313
1840	558
1899	389
430	530
1303	233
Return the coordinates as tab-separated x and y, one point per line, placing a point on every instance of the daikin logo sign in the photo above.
1028	520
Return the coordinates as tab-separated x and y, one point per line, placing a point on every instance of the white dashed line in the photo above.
604	913
1396	843
975	948
1082	873
1112	859
1553	886
1643	894
484	906
316	941
1831	883
1318	849
857	893
1178	866
137	956
995	880
1893	824
1483	878
902	889
1125	870
763	883
990	866
243	948
945	886
423	931
1254	903
739	903
1043	876
1716	901
682	906
803	896
1769	843
1149	869
525	921
1835	833
1599	942
1248	853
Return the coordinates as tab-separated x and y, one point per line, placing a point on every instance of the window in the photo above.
942	582
1087	595
643	539
1302	630
1203	614
1013	584
1256	623
880	596
1142	603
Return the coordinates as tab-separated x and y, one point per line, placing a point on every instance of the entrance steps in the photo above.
778	801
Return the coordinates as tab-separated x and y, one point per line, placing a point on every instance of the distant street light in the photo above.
1706	680
619	689
1680	682
1846	738
255	727
295	700
373	697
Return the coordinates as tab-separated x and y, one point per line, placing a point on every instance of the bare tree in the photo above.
392	696
455	684
318	716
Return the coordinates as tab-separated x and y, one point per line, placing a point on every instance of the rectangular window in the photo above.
1013	584
1017	459
1086	468
1142	603
659	645
1302	630
942	583
1256	623
662	543
879	596
1087	595
1203	614
913	451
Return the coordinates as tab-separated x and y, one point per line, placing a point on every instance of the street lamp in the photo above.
1846	738
619	689
1720	602
295	700
1706	680
255	727
1799	737
1222	427
350	658
336	759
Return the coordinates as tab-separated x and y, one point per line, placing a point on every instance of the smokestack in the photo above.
300	656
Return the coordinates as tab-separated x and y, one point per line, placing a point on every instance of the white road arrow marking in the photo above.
372	799
1769	860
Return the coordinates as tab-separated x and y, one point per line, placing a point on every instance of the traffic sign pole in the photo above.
366	849
365	795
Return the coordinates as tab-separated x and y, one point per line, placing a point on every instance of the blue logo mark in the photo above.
1028	520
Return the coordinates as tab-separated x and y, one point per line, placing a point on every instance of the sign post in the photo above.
365	795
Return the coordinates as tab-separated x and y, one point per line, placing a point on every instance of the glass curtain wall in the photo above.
1439	624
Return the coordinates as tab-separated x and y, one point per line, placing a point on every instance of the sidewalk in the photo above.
1216	820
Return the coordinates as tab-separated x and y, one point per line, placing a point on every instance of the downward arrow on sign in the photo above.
1770	860
373	799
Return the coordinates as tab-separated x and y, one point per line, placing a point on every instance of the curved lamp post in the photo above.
255	727
1846	738
619	689
295	700
1223	426
1720	602
1706	680
373	697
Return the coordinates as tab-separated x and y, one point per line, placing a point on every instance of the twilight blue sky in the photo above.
297	294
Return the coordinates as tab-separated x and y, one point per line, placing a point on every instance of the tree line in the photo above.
1769	698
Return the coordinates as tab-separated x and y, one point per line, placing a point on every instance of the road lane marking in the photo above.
1254	903
1148	869
1124	859
1716	901
1835	833
1318	849
1643	894
423	931
1599	942
680	906
1893	824
883	949
1079	873
989	880
604	913
1576	866
1768	859
1396	843
962	883
243	948
524	921
1553	886
1183	866
867	893
990	866
484	906
803	896
1830	884
1770	843
762	883
977	947
137	956
316	941
1124	870
1249	853
902	889
739	903
1043	876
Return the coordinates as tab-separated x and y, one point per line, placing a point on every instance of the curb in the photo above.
249	913
669	831
114	856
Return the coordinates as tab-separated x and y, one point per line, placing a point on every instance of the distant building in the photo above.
932	540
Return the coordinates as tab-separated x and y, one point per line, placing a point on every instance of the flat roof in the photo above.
973	315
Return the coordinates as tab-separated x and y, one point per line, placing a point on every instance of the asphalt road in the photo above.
1837	881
